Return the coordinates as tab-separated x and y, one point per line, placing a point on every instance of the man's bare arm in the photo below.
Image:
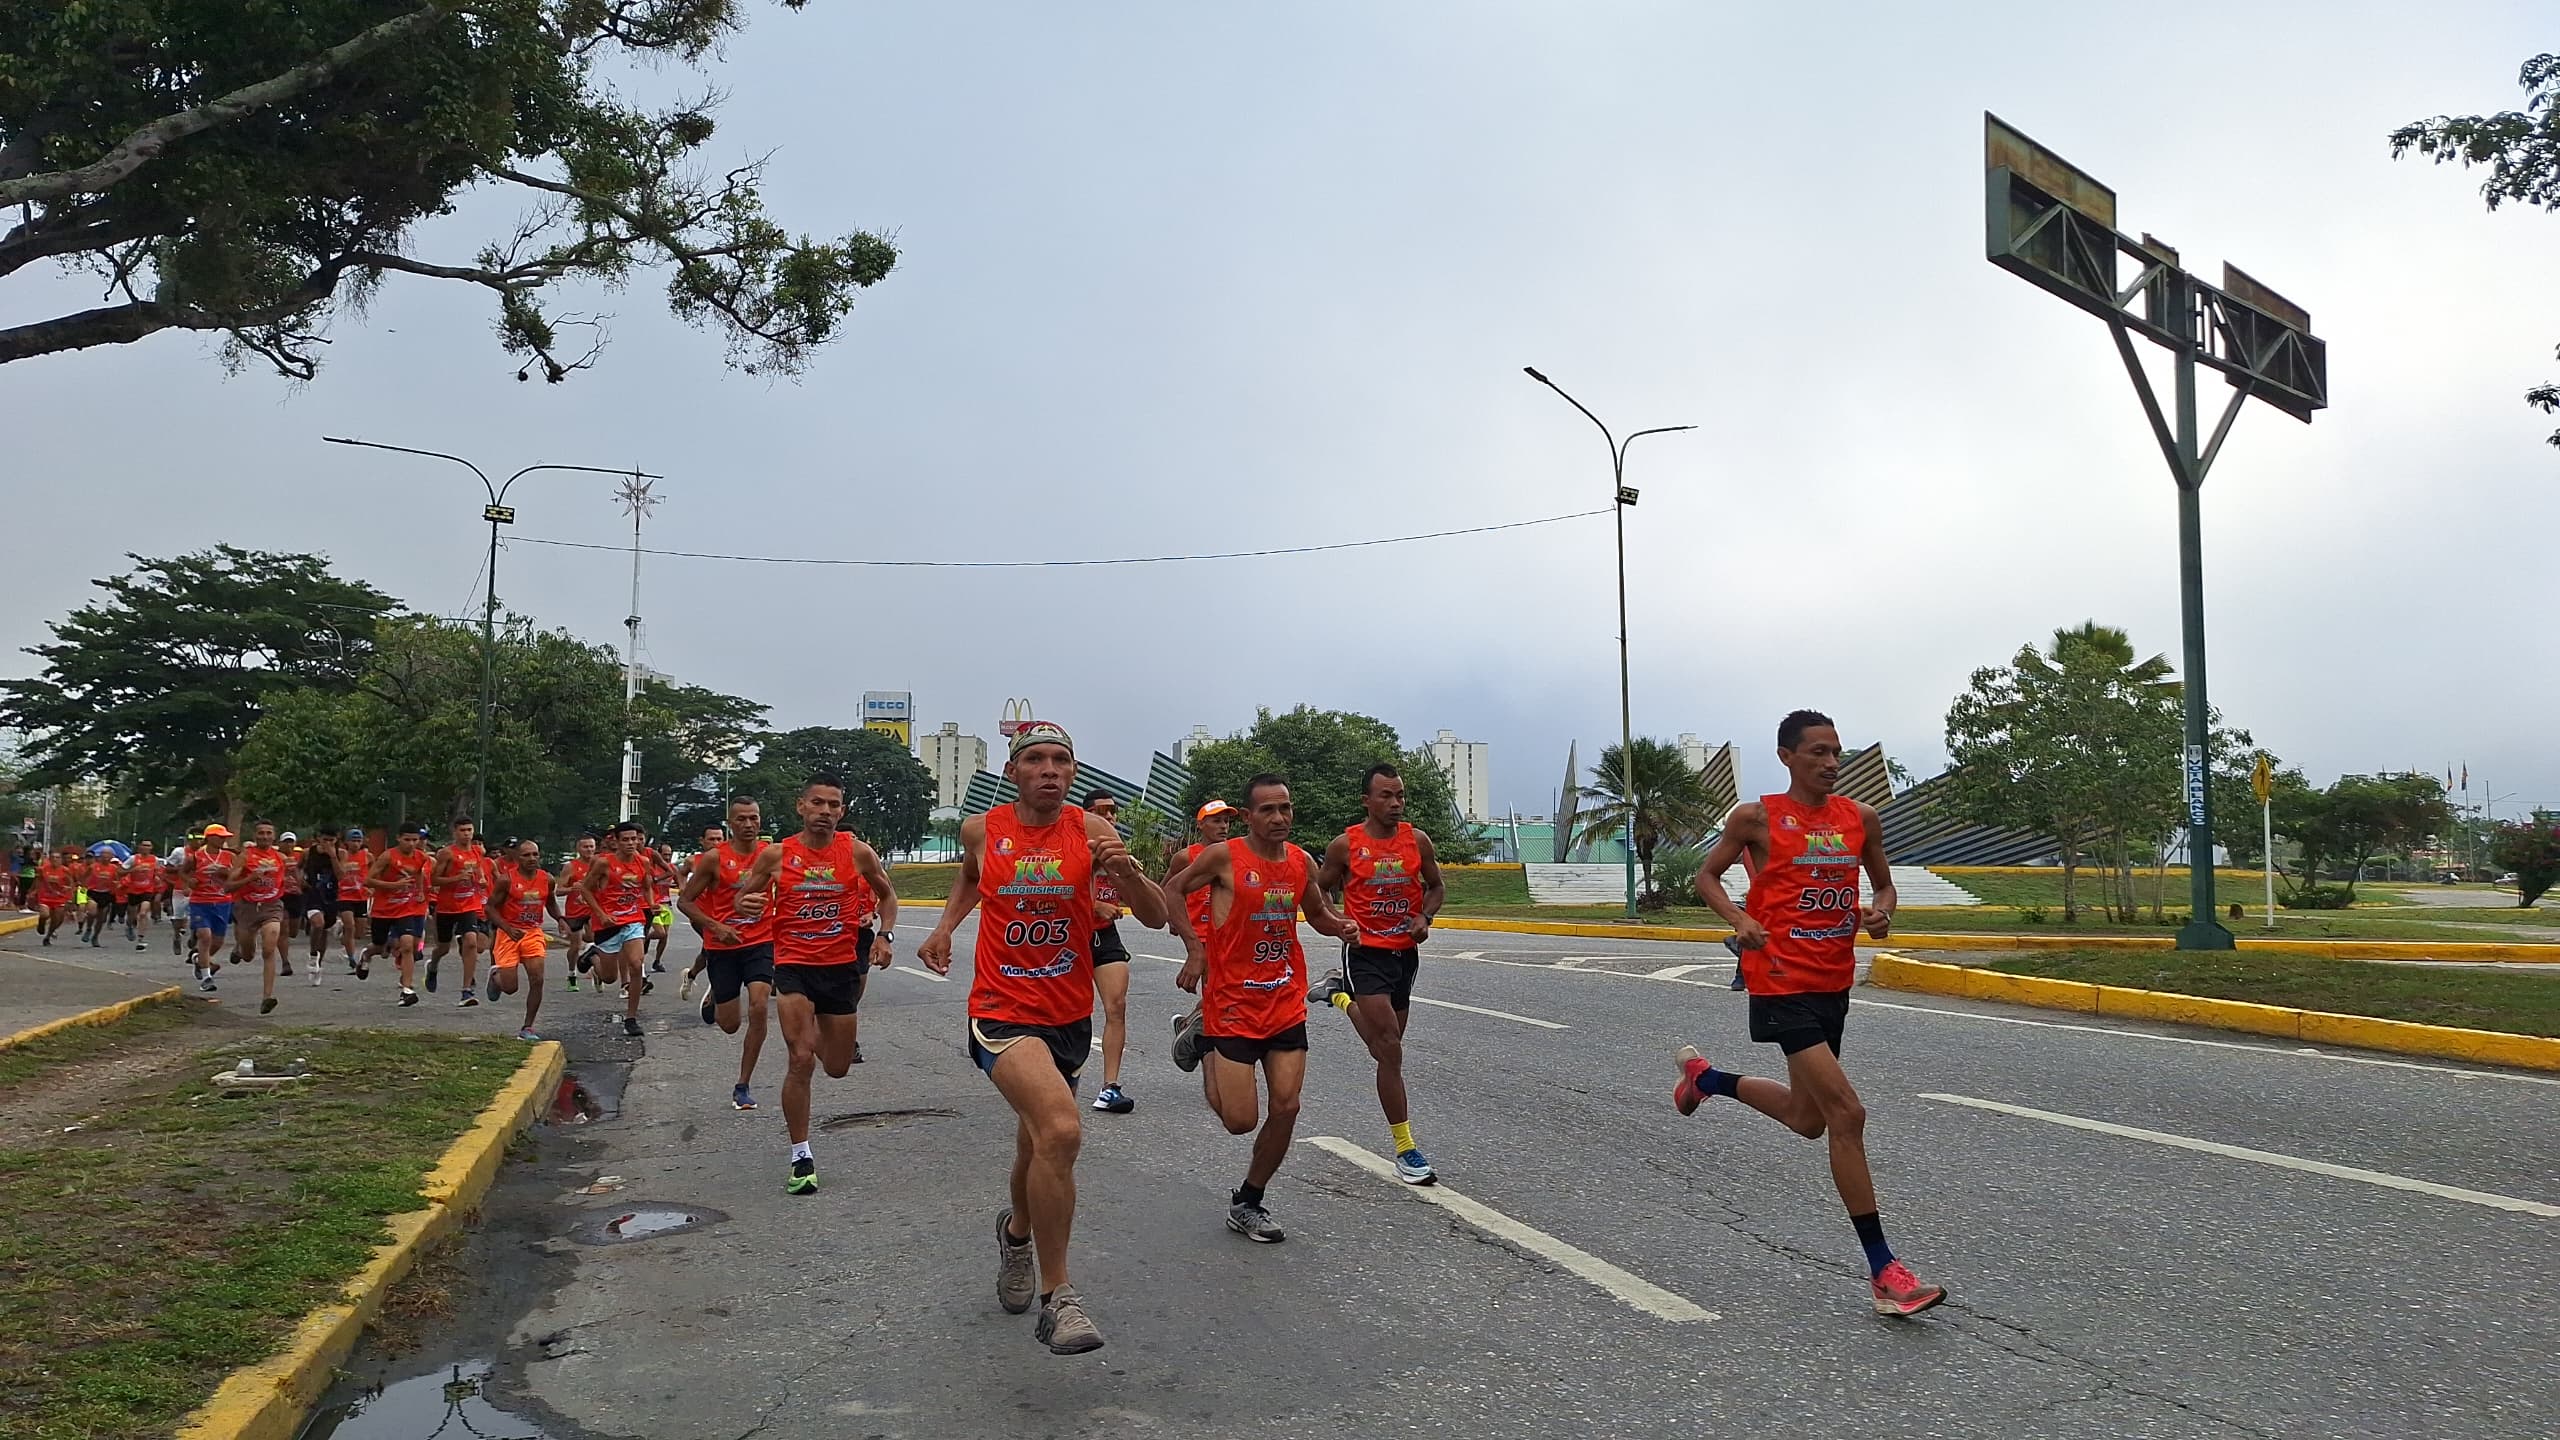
1878	918
1744	829
1138	894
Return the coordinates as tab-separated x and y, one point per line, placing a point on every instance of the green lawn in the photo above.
2045	887
2520	1001
178	1236
923	882
82	1042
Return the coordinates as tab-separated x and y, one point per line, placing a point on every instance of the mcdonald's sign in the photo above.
1017	713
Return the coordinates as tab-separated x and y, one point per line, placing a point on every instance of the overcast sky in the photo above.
1184	278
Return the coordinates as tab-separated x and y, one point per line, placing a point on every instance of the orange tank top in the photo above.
1257	980
266	867
467	891
408	897
142	877
814	890
1805	894
1383	886
575	906
1035	921
1195	905
53	880
209	880
351	870
624	896
525	894
720	897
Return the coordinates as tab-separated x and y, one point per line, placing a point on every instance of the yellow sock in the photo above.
1342	1003
1404	1135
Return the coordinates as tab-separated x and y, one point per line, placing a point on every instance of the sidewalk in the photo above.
36	989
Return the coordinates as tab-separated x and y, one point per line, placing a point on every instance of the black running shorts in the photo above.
464	922
1069	1046
1376	970
1246	1050
1800	1022
829	989
1107	947
735	969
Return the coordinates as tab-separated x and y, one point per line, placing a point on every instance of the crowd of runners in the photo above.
792	928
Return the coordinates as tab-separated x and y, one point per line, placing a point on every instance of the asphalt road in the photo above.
2104	1282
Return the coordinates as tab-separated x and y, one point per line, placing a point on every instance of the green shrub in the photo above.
2318	897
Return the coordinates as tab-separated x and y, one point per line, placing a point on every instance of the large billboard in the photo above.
892	713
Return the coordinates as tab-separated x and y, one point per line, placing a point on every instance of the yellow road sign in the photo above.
2262	780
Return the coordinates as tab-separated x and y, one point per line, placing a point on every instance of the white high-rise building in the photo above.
1692	753
1465	762
953	758
1183	747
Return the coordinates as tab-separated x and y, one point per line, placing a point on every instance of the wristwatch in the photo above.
888	934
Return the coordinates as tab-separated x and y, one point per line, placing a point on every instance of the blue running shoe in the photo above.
1413	1168
742	1097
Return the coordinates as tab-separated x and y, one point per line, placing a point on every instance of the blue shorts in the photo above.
621	935
209	915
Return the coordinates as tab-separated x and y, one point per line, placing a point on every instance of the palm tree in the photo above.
1670	804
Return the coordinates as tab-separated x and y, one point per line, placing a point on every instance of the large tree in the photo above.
1669	806
2530	848
249	169
2359	817
1324	753
690	739
152	689
888	798
2521	149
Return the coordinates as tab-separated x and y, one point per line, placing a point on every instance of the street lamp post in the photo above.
497	512
1622	497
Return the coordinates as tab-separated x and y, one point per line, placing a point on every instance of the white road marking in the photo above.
1633	1290
1496	1014
2263	1157
920	973
1674	972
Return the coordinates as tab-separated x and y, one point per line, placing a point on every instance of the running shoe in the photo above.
573	982
267	1005
631	1026
1414	1168
1064	1327
684	991
432	962
647	985
742	1098
1323	991
659	965
1186	1041
1686	1097
408	997
1015	1284
284	967
804	1178
315	972
467	1001
710	1012
526	1034
1112	1102
365	972
206	984
1899	1292
586	960
48	937
857	1053
1254	1223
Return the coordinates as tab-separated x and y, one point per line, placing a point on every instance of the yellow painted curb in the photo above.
103	1015
270	1400
16	923
2314	1027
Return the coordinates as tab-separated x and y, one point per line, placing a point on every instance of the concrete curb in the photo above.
270	1400
16	923
2317	1027
103	1015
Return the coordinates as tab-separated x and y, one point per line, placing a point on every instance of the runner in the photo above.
398	880
1110	967
143	886
662	910
575	915
1388	875
57	883
319	897
173	879
1032	866
617	890
207	872
714	836
99	879
738	952
1253	1008
294	859
462	901
820	958
354	855
257	905
517	902
1798	930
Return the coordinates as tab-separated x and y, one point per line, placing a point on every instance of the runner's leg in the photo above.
1230	1091
532	967
1111	982
1285	1072
1047	1139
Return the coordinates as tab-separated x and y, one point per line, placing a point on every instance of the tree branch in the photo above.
146	144
50	236
124	324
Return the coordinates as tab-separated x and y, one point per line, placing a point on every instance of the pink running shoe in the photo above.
1899	1292
1686	1096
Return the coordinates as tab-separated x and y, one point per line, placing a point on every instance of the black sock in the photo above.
1045	1294
1871	1236
1248	1194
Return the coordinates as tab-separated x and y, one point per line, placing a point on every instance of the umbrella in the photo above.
117	848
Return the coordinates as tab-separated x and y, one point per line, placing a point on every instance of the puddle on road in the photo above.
863	1119
643	1222
446	1402
578	1104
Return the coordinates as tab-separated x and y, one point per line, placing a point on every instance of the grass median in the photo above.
2519	1002
180	1233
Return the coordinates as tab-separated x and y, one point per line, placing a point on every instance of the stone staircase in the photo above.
1607	885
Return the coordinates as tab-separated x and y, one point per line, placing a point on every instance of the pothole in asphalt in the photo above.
644	1222
865	1119
447	1401
575	1103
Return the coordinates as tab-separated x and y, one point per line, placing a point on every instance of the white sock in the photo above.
800	1150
